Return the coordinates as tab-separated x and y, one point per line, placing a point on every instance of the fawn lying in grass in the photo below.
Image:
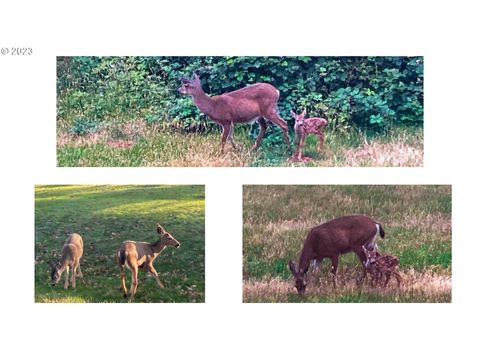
72	251
303	127
378	265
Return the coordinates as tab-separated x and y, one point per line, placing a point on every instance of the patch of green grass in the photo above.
107	215
148	145
416	220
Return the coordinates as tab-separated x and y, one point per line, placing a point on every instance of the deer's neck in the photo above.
158	247
304	261
204	103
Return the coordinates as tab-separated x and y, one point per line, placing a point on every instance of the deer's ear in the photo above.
195	76
292	113
160	229
292	267
304	112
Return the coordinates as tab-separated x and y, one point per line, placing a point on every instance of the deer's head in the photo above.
372	254
55	274
166	238
190	86
299	118
299	276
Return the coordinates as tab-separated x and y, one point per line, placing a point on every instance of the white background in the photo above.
223	327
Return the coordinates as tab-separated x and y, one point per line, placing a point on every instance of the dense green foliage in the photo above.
364	92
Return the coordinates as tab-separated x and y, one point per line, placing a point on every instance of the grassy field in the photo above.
417	223
138	144
105	216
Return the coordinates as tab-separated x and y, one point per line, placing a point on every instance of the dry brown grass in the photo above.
153	145
377	154
424	287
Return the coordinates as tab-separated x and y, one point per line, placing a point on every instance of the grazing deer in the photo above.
333	238
303	127
72	252
379	265
257	102
140	255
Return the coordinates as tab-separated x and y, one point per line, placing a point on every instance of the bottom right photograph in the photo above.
347	243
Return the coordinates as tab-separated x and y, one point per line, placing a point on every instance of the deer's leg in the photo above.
276	119
321	137
263	127
133	287
300	147
122	275
334	270
79	271
388	275
225	135
363	259
152	271
230	137
74	272
66	277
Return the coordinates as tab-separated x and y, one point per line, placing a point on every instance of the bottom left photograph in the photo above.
119	243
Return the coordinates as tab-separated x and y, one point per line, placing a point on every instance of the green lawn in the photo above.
135	144
105	216
417	223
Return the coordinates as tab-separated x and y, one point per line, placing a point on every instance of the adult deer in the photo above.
257	102
140	255
72	252
333	238
303	127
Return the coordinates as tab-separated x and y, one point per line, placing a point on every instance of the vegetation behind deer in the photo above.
417	224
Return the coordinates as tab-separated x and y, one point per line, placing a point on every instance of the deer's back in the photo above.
341	235
73	247
137	249
246	104
387	262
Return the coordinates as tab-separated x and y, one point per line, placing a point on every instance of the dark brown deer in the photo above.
257	102
379	265
72	252
303	127
140	255
333	238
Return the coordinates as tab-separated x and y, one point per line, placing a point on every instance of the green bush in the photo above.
371	93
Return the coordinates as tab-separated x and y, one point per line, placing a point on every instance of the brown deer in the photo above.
333	238
303	127
257	102
72	252
378	265
140	255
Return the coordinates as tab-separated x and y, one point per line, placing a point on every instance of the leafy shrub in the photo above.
364	92
83	126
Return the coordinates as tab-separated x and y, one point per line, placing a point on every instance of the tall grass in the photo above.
416	219
138	144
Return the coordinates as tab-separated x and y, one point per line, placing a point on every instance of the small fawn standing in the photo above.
140	255
72	251
378	265
303	127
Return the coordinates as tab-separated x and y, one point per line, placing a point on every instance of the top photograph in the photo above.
240	111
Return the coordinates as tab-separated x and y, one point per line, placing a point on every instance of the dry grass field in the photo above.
417	223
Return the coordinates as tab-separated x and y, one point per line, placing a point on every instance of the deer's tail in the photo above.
381	231
122	256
